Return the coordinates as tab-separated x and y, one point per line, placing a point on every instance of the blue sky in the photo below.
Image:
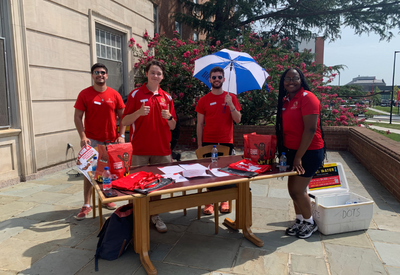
363	55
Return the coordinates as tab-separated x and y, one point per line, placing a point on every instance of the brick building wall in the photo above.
379	154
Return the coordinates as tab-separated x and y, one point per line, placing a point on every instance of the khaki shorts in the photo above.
138	160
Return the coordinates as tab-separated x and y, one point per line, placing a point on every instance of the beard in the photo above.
216	86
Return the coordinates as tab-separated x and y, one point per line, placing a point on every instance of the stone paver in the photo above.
353	260
308	265
39	234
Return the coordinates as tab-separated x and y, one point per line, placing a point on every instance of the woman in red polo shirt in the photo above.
300	136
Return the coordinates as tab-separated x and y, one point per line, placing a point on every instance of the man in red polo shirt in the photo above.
99	104
151	114
216	112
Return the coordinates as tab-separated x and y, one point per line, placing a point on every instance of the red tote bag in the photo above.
260	148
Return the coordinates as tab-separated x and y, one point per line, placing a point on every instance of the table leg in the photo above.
142	233
199	207
100	213
243	214
216	217
247	219
94	202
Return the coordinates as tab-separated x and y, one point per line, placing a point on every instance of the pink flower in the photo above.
193	139
132	40
181	95
186	54
344	123
130	46
388	132
334	111
146	35
218	43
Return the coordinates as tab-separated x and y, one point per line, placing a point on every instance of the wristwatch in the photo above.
171	117
123	136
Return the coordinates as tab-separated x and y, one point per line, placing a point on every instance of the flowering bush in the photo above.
336	112
258	106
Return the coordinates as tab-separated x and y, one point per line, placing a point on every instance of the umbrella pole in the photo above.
229	81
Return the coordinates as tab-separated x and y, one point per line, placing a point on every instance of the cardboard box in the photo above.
335	209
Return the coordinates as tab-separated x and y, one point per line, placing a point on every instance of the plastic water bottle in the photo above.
106	179
282	162
94	164
214	154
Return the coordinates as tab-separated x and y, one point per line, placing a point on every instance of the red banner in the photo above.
398	98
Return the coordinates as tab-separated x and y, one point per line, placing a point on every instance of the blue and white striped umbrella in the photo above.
242	73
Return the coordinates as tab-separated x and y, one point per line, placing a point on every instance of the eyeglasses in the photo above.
288	79
99	72
215	77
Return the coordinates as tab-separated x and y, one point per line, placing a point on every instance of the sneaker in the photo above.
292	230
159	224
306	230
84	212
110	206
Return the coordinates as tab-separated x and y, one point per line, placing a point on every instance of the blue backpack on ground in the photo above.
115	235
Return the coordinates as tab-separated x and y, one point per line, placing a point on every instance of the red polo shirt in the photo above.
302	104
218	124
150	135
100	112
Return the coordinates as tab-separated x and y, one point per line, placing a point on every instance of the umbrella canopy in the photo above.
242	73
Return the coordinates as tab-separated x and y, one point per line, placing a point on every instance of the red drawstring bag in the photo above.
117	157
139	180
249	166
260	148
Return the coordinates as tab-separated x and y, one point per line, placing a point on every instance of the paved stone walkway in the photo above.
38	234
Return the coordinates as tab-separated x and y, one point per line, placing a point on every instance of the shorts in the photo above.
139	160
94	143
230	145
311	160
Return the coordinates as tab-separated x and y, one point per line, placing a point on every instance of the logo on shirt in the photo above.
109	101
294	106
162	102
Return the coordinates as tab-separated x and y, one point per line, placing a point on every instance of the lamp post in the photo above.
394	69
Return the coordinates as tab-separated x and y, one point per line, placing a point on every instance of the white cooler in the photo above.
330	208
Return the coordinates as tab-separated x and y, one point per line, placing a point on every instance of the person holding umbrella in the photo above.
300	136
216	112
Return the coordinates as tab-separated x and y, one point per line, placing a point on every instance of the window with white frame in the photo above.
178	27
110	52
155	18
108	45
5	119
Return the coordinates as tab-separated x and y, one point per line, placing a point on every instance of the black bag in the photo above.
160	183
237	172
115	235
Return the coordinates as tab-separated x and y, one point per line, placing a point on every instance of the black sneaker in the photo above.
292	230
306	230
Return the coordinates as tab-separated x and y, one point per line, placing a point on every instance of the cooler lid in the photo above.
329	179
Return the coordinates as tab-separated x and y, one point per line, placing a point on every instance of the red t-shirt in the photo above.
150	135
218	125
100	112
303	103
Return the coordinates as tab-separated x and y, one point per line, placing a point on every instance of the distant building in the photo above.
316	46
368	83
165	23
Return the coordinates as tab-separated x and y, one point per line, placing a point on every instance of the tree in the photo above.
295	19
258	106
376	98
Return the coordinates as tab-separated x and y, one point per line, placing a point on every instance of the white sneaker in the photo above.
158	223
